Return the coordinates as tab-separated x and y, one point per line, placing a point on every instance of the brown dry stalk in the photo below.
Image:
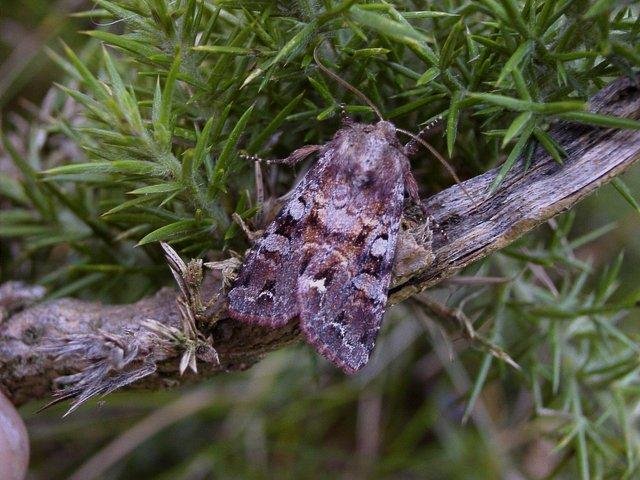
95	348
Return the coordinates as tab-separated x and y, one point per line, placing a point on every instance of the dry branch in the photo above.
113	345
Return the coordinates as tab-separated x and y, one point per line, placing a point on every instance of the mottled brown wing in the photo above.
327	256
265	290
342	290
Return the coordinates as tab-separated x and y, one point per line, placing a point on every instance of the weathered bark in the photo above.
114	342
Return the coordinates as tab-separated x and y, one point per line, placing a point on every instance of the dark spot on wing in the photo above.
365	338
368	180
372	266
362	236
313	220
285	226
268	286
326	274
304	262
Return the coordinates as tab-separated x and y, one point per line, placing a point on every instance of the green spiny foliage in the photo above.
141	143
177	88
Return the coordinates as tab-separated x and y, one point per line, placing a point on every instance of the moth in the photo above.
327	256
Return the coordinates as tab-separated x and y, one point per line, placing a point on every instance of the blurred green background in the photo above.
293	416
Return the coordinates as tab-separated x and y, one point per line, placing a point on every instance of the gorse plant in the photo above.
142	141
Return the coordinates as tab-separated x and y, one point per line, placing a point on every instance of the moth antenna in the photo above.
345	84
441	159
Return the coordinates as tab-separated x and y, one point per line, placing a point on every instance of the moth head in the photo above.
387	130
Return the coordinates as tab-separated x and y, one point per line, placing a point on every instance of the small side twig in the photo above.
466	325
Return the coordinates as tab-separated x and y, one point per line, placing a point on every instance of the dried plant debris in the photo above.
112	362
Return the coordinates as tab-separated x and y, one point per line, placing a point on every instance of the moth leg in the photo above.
227	269
411	186
429	131
295	157
259	180
252	235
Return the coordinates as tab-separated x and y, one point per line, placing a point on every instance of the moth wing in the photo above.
342	294
265	290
